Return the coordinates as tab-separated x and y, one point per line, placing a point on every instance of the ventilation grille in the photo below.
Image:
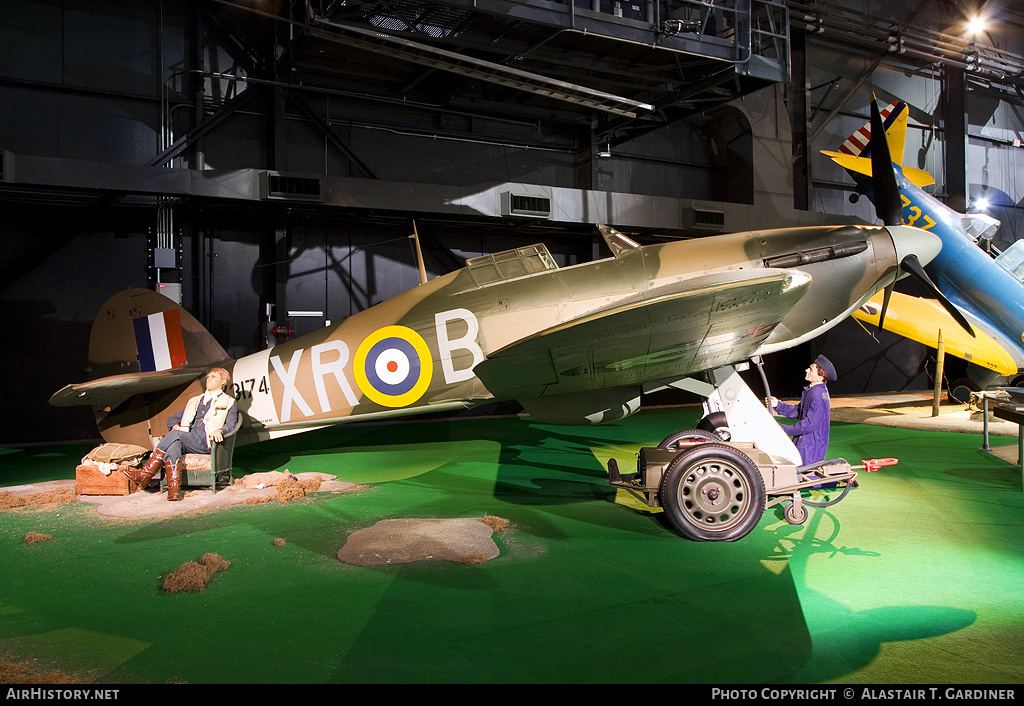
526	202
291	187
704	219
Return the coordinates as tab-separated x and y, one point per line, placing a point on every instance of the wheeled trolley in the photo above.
714	490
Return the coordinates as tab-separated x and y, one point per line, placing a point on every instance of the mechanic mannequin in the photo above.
813	414
193	430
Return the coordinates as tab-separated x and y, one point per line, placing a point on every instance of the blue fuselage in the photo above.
965	273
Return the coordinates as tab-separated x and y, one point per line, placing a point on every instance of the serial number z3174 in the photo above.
243	388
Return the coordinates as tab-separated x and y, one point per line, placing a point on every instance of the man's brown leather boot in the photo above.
142	476
174	479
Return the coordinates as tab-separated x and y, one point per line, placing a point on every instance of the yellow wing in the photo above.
921	320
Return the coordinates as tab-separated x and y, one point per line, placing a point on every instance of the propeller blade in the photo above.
912	266
888	205
886	294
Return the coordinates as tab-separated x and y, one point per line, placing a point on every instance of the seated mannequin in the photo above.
203	421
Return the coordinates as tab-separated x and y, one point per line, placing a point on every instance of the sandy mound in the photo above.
466	540
40	494
150	504
155	504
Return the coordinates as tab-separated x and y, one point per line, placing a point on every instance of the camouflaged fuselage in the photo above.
574	344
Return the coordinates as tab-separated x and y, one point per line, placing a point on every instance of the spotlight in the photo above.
976	25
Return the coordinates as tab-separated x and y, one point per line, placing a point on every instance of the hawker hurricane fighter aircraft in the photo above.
990	298
574	345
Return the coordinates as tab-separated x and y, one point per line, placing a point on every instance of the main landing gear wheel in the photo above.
960	391
712	492
676	441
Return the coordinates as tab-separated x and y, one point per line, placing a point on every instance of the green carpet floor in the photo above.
916	577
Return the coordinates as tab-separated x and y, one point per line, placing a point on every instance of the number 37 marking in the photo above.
915	214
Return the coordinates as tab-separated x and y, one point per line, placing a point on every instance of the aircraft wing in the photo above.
921	320
673	330
111	391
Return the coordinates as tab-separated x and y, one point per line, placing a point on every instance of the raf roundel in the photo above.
393	366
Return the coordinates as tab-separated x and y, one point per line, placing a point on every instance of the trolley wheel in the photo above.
675	441
794	516
712	492
717	424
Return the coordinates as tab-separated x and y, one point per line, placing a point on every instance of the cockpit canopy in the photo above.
979	225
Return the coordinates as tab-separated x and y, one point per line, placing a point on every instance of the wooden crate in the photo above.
89	480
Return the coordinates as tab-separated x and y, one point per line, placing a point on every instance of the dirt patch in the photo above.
497	524
35	537
193	576
25	673
24	498
463	540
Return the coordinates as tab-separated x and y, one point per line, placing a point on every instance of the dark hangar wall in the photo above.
91	91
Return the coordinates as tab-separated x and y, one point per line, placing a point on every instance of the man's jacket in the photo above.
811	430
223	414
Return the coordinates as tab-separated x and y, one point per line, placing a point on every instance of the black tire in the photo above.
960	391
675	441
717	424
712	492
791	516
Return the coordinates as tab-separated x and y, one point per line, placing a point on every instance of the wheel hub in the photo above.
714	494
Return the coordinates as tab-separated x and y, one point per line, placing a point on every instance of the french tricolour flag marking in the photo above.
159	341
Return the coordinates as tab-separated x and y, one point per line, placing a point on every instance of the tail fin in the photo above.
138	330
855	154
146	353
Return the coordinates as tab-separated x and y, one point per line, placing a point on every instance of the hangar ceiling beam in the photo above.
685	92
907	42
480	69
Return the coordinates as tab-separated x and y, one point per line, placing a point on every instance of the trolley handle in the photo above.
875	463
